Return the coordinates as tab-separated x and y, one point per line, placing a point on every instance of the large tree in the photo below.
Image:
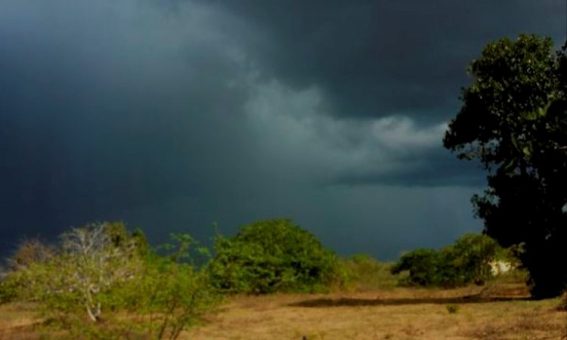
514	120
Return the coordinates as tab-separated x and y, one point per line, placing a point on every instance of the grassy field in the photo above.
499	311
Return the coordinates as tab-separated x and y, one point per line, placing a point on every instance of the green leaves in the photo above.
514	121
513	84
270	256
102	268
464	262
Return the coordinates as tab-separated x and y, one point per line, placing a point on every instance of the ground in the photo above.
500	311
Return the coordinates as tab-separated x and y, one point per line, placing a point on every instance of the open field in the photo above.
503	312
498	312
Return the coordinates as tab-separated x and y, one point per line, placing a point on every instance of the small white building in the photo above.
499	267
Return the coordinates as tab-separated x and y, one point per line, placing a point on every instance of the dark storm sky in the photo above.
171	115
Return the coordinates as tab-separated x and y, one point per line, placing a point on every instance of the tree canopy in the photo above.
514	121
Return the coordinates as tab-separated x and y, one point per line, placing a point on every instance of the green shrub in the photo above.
423	266
466	261
470	256
170	293
103	269
29	252
10	288
273	255
87	265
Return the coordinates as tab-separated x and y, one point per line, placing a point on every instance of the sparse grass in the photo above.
18	320
399	313
367	274
452	308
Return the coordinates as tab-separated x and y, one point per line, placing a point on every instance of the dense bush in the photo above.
471	254
102	268
423	266
169	293
273	255
465	261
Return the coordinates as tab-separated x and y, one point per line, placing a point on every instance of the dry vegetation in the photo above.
366	301
499	311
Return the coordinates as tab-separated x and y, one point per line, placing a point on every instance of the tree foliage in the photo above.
273	255
514	120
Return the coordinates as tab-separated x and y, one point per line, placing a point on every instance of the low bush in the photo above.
466	261
29	253
273	256
423	265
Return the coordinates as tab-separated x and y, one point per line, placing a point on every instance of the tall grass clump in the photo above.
365	273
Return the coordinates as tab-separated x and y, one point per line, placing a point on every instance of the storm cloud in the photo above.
171	115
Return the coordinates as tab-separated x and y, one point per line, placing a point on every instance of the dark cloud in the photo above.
108	107
172	115
378	58
424	170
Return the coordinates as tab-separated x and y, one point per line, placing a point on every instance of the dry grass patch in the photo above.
18	321
497	313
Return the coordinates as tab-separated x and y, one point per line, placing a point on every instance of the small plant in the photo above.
452	308
563	302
